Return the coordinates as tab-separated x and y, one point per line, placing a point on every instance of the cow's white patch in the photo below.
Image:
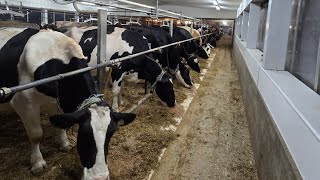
88	39
181	80
116	92
119	47
76	33
100	120
196	60
57	45
7	33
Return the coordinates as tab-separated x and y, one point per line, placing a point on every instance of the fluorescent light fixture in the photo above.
87	3
218	8
215	2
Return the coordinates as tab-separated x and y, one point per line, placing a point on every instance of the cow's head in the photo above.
97	124
183	76
207	48
164	90
193	62
202	52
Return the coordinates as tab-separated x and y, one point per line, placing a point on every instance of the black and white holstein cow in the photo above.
188	50
168	57
122	42
204	44
27	55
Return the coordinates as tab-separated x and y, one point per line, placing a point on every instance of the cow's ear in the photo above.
67	120
123	119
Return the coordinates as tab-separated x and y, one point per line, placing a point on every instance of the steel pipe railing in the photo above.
5	91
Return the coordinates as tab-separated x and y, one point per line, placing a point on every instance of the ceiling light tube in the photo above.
215	2
87	3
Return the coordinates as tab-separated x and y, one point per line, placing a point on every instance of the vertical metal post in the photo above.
191	27
157	9
28	15
54	16
316	78
64	16
44	16
171	27
295	35
201	27
76	17
102	47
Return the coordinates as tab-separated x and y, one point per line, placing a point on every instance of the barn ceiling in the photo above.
224	4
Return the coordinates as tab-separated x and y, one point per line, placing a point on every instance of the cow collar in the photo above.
190	55
93	99
157	80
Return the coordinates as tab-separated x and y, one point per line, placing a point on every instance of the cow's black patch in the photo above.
72	90
88	42
86	145
187	49
158	37
9	58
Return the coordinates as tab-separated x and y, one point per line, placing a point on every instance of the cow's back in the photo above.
13	41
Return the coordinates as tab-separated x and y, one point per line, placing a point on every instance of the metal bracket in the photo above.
4	92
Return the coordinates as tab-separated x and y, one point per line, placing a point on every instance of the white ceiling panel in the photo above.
224	4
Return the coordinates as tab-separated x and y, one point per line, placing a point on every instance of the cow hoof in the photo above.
38	167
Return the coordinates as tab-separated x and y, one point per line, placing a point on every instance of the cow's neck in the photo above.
74	90
153	70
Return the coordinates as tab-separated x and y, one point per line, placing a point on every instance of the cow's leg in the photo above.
30	115
64	143
116	88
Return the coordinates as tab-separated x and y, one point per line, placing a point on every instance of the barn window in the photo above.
59	16
4	17
304	43
51	17
262	26
35	16
70	16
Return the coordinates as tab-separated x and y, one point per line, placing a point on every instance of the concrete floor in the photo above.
213	138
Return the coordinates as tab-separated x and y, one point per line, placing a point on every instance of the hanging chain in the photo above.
57	98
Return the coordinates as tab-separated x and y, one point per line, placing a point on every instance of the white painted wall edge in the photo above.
295	109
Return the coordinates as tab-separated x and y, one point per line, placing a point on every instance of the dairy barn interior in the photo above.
159	89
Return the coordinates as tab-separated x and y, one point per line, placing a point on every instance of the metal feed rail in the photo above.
5	91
